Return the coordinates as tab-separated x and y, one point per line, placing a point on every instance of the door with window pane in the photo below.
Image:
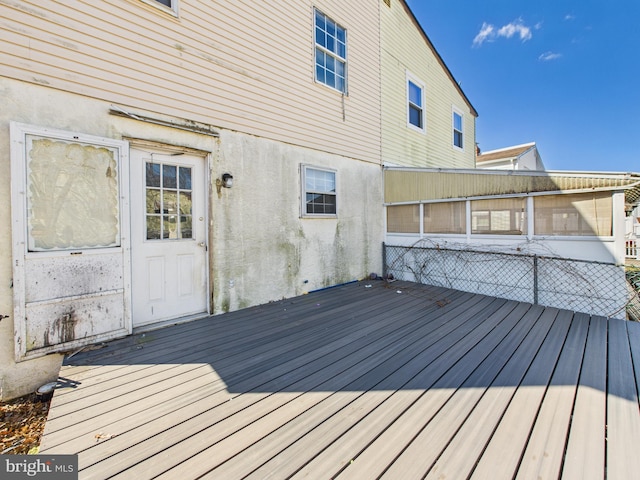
168	248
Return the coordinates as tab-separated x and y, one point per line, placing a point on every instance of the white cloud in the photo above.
568	16
549	56
488	32
515	28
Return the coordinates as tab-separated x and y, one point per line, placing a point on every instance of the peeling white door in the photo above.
70	218
168	236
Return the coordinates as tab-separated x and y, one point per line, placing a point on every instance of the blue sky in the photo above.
564	74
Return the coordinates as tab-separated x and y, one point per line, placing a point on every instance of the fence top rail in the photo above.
492	252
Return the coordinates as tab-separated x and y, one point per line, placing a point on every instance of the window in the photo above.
319	195
580	214
458	136
403	219
415	104
503	216
447	217
168	199
331	53
170	6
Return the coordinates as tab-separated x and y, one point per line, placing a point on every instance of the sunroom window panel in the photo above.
503	216
588	214
403	219
448	218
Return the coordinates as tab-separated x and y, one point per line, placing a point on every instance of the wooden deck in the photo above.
394	381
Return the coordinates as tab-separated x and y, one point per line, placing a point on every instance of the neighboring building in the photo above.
519	157
427	121
165	167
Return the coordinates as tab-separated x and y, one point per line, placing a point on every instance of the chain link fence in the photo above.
595	288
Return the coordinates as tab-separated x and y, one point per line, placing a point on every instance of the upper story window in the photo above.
458	129
415	104
331	53
319	192
170	6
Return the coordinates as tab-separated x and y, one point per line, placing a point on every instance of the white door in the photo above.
168	236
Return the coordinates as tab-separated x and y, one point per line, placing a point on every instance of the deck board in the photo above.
623	417
358	382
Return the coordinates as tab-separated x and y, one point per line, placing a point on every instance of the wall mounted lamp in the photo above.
225	181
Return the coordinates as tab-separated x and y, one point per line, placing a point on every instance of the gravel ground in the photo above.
21	424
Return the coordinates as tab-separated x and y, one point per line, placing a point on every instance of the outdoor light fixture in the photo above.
225	181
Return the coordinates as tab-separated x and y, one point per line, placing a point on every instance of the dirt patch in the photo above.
21	424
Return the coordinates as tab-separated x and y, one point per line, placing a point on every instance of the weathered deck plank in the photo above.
214	445
585	454
459	456
358	382
544	453
623	417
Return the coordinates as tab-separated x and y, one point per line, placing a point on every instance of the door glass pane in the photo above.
185	178
170	202
169	176
169	208
185	202
72	195
154	202
153	174
186	230
153	228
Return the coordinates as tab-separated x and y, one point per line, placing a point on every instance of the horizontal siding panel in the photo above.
199	67
405	49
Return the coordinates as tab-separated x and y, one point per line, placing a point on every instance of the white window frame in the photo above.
335	55
172	10
412	79
304	191
455	111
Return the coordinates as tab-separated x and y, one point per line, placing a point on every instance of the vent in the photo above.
387	3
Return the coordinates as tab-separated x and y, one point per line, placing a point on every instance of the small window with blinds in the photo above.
583	214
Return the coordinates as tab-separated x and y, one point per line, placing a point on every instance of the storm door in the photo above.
168	235
70	217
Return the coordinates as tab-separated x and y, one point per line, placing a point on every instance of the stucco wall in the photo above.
259	246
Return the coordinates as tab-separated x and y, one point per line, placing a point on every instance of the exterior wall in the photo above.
246	66
404	50
260	247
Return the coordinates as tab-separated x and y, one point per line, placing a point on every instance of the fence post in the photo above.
535	279
384	260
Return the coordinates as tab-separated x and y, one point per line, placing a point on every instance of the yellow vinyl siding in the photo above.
405	50
246	66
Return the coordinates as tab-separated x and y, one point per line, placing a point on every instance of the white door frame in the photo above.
169	150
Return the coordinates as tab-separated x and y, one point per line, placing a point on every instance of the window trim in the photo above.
303	191
455	111
412	79
318	47
174	9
